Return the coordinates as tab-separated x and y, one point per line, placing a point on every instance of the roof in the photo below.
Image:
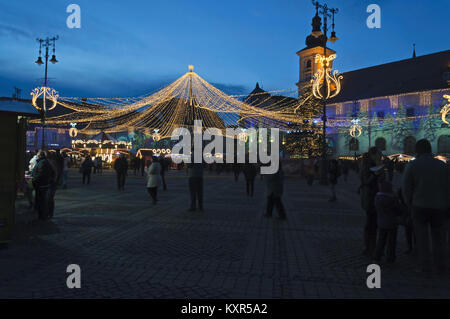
411	75
101	137
18	107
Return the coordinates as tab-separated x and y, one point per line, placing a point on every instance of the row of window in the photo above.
409	144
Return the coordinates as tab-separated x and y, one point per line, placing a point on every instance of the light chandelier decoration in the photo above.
177	105
46	93
355	129
331	78
446	110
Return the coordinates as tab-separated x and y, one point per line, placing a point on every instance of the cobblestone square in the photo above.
128	248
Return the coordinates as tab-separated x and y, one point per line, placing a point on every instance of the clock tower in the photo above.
314	46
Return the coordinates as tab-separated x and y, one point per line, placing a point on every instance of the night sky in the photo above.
129	48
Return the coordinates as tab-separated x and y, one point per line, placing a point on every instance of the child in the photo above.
388	210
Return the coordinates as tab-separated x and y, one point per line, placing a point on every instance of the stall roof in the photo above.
18	107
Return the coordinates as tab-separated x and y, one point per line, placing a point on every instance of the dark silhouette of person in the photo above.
368	190
164	166
43	178
195	177
249	171
86	168
236	170
121	167
274	192
333	175
426	190
154	178
388	211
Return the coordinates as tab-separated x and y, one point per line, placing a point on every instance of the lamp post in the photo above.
45	91
323	77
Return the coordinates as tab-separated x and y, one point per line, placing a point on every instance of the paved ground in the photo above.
126	247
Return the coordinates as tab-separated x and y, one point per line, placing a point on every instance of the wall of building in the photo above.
415	104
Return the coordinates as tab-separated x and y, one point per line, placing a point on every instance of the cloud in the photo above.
10	31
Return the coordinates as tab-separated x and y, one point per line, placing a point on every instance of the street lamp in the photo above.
325	81
45	91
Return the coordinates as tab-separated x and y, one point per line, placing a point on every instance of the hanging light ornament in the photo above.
73	132
46	93
446	110
156	136
329	77
355	129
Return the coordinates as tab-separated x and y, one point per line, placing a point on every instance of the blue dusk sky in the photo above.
130	48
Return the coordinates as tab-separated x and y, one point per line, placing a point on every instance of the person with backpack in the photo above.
43	179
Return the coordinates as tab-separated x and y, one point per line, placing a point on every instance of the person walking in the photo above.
274	192
164	166
249	171
426	190
86	169
236	170
371	175
153	178
43	177
195	177
66	163
388	212
121	167
333	175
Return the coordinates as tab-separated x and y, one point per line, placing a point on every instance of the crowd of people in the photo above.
421	205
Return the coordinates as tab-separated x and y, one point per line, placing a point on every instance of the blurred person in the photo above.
426	189
121	168
370	176
86	170
154	178
333	175
274	192
388	211
250	171
43	178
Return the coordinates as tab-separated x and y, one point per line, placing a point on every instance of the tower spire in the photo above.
414	51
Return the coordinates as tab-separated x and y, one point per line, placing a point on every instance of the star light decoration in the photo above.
46	93
331	78
355	129
446	110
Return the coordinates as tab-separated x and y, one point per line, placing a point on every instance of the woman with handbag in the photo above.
153	178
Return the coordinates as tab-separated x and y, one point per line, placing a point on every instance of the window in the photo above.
308	64
409	145
354	144
410	112
380	143
444	144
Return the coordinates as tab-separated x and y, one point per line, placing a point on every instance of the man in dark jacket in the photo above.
195	176
250	174
274	191
86	168
43	179
426	190
121	167
368	189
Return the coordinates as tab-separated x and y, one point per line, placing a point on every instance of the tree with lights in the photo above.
428	125
305	138
400	129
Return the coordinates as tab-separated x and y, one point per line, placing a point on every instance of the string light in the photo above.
330	78
445	110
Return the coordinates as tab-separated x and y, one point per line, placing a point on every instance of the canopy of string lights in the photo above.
187	99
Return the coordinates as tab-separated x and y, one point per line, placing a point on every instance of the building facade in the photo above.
390	106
